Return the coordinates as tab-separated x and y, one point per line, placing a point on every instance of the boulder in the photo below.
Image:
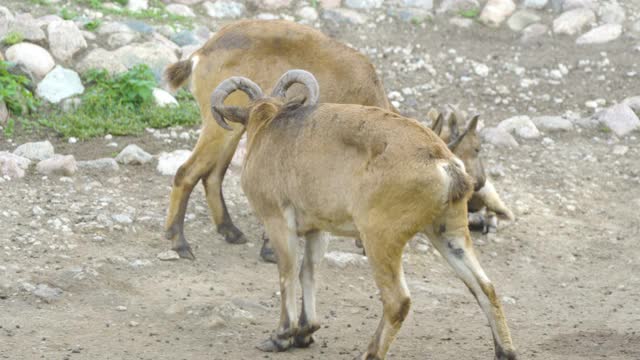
34	58
60	84
65	39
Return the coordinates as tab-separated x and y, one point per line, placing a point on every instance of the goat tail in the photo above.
460	184
178	73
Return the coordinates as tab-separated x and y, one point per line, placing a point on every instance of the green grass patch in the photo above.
469	13
92	25
12	38
156	11
68	14
120	105
14	91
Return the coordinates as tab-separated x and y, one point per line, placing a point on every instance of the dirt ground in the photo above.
568	269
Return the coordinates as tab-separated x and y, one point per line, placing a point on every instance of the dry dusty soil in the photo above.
568	269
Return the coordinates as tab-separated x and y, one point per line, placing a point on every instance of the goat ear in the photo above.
234	113
453	125
473	123
437	124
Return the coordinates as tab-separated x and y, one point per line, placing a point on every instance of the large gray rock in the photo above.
496	12
60	84
133	155
344	16
12	165
579	4
552	123
113	27
600	35
137	5
521	126
620	119
308	13
341	259
35	150
44	21
455	6
168	163
498	137
47	293
29	30
535	4
420	4
101	59
120	39
222	9
634	103
5	14
272	4
156	56
34	58
163	99
188	2
571	22
612	13
65	39
521	19
533	32
363	4
63	165
180	10
103	164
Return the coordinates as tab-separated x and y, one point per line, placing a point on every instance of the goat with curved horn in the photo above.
297	76
226	88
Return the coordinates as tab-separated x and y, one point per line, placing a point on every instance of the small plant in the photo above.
12	38
14	92
121	105
9	128
68	14
92	25
470	13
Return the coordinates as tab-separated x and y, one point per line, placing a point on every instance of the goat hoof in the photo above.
274	344
231	234
268	254
502	354
185	252
303	341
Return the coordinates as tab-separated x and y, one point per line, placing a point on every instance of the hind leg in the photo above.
385	258
457	249
200	163
213	187
283	234
314	248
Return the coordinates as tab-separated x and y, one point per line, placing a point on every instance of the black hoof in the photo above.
303	341
185	252
266	252
273	344
231	234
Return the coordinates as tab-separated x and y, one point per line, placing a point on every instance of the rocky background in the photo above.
84	271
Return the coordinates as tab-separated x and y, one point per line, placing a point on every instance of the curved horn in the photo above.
298	76
226	88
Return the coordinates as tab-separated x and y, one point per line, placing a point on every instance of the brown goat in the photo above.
260	50
466	145
358	171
